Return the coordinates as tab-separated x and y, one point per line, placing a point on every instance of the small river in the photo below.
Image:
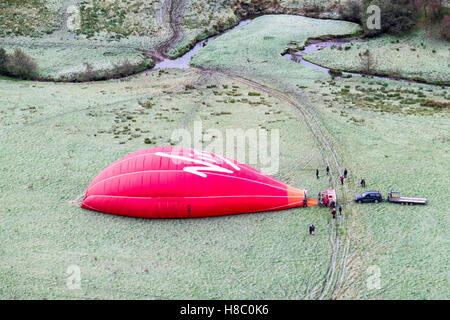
183	62
297	56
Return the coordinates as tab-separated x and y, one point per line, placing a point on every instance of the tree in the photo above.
3	61
350	11
436	7
446	27
21	65
367	62
397	16
431	8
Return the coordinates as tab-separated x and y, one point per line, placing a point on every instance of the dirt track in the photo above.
332	284
175	14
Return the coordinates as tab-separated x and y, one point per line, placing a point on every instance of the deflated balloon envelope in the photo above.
173	182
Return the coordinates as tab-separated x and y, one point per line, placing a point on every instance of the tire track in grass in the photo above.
336	275
331	284
175	14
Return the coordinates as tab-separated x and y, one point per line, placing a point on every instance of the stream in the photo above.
183	61
293	54
297	56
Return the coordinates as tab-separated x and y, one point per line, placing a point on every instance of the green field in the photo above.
50	28
404	147
28	17
70	62
202	18
56	137
62	135
417	56
383	133
255	49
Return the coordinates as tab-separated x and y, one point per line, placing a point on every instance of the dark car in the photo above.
369	196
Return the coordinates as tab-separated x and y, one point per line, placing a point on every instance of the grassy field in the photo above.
256	48
384	131
406	148
52	30
203	18
416	56
29	17
69	63
123	18
57	137
140	24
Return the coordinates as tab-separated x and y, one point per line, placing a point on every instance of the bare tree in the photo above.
367	62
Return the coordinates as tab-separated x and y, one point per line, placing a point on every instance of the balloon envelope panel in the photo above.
172	182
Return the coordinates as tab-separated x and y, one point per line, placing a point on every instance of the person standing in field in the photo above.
363	183
342	180
328	170
312	228
317	173
305	200
340	210
333	213
345	173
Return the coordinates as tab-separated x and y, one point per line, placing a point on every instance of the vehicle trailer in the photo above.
394	196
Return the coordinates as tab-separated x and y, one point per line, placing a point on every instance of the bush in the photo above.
397	16
20	65
245	8
87	75
351	11
119	70
435	104
3	60
367	62
446	27
335	73
124	69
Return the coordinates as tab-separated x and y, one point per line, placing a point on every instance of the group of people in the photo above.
328	172
342	178
312	228
333	211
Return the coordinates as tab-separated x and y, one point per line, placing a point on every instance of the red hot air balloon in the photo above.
173	182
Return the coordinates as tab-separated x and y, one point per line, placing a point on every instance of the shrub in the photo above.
245	8
351	11
397	16
446	27
120	69
312	9
3	60
335	73
87	75
395	73
367	61
123	69
435	104
21	65
432	9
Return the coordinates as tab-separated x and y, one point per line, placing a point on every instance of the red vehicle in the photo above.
327	198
